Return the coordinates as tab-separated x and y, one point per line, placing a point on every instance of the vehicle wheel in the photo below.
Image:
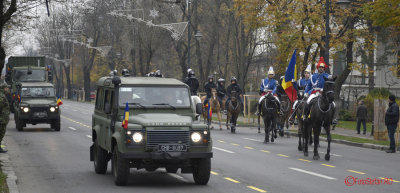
171	169
56	124
201	171
19	124
100	159
120	168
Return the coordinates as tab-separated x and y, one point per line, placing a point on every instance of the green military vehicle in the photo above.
36	103
25	69
161	131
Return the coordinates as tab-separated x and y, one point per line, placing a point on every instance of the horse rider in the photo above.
233	87
302	83
315	87
269	85
208	87
221	91
125	72
192	82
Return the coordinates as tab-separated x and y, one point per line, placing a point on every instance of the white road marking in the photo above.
224	150
253	139
89	136
72	128
332	154
313	173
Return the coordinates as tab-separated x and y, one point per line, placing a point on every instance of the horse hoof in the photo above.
306	154
275	136
272	139
281	134
300	148
266	141
316	157
327	157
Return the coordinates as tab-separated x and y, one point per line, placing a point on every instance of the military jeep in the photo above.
35	102
161	131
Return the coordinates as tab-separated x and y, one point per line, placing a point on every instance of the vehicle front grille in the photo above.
39	109
156	137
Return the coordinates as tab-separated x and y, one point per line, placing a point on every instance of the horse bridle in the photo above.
326	93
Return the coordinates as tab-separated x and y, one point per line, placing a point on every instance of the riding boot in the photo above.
306	112
334	120
258	113
279	108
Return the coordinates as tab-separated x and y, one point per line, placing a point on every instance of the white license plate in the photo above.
172	147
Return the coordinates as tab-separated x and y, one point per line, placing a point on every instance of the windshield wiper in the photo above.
166	105
138	104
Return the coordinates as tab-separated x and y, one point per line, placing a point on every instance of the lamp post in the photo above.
343	4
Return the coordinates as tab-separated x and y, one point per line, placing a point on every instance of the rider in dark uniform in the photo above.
233	87
192	82
207	88
221	92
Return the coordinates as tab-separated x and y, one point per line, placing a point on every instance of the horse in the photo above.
321	111
233	111
286	106
215	108
298	112
270	115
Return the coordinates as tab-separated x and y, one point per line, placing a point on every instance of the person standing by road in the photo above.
361	117
391	120
4	113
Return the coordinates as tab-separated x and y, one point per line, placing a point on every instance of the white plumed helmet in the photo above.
271	71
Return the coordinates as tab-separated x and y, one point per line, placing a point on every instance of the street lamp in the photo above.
343	4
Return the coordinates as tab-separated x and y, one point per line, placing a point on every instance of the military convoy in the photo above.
148	123
33	98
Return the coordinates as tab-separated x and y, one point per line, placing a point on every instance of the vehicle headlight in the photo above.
26	109
137	137
196	137
52	109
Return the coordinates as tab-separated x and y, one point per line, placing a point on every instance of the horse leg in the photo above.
273	125
306	137
287	128
258	121
219	119
266	130
316	131
299	132
310	139
328	136
233	125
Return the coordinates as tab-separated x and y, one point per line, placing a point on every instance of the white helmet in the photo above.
271	71
308	69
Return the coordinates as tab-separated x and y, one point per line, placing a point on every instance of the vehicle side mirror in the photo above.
50	76
199	108
107	108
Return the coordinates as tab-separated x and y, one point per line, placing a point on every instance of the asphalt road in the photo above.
49	161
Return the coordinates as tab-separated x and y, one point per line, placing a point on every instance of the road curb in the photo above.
338	141
8	169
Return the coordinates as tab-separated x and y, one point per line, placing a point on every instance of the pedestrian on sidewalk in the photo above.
4	113
391	120
361	117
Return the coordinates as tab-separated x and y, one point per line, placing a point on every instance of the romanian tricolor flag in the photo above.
290	77
126	117
59	102
209	110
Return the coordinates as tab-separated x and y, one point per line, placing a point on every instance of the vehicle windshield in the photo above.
23	76
37	92
155	96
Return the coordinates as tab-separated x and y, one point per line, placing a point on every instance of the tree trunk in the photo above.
349	57
371	63
86	84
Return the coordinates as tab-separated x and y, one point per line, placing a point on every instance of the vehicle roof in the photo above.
106	81
36	84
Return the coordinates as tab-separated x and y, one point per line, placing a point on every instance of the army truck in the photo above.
161	130
36	103
25	69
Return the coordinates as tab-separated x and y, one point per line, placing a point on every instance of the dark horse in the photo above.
233	111
270	115
298	112
286	108
321	111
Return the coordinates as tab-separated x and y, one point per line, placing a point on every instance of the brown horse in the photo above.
215	108
233	111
